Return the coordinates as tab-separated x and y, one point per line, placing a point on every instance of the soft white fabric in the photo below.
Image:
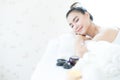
61	47
102	62
117	39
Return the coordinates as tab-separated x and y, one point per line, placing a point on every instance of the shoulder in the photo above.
106	34
108	31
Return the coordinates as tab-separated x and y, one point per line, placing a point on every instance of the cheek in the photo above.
79	23
82	22
73	29
85	24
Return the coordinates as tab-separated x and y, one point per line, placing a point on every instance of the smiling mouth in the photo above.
80	28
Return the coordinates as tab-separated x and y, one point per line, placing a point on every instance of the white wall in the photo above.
105	12
26	26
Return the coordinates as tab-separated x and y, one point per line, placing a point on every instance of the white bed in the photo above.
102	62
60	47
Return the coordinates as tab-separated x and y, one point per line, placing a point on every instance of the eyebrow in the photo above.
75	18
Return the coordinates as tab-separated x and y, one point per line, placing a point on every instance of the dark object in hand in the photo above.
67	64
73	60
61	62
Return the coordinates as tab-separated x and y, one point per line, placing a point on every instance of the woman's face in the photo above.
79	22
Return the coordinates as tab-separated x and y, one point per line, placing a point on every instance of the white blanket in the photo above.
102	62
62	47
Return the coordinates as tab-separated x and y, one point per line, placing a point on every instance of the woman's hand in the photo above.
82	38
80	47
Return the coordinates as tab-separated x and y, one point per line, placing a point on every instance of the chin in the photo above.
82	33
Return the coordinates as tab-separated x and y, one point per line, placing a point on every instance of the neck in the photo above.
93	30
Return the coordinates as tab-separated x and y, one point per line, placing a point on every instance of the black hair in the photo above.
79	9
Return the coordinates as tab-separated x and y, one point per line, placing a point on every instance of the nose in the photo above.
75	27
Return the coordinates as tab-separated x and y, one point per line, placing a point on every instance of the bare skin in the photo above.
83	26
74	75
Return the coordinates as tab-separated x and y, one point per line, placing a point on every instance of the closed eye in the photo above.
71	25
77	20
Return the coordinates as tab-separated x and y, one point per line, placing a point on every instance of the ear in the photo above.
87	15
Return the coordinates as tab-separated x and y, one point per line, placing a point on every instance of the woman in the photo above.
81	21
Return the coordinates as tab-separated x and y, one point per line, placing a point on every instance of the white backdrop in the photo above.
26	26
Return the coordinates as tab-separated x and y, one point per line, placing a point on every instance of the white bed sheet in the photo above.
102	62
46	69
103	59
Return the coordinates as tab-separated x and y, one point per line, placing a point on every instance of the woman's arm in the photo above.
80	47
108	34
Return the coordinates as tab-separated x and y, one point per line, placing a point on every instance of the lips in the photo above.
79	29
